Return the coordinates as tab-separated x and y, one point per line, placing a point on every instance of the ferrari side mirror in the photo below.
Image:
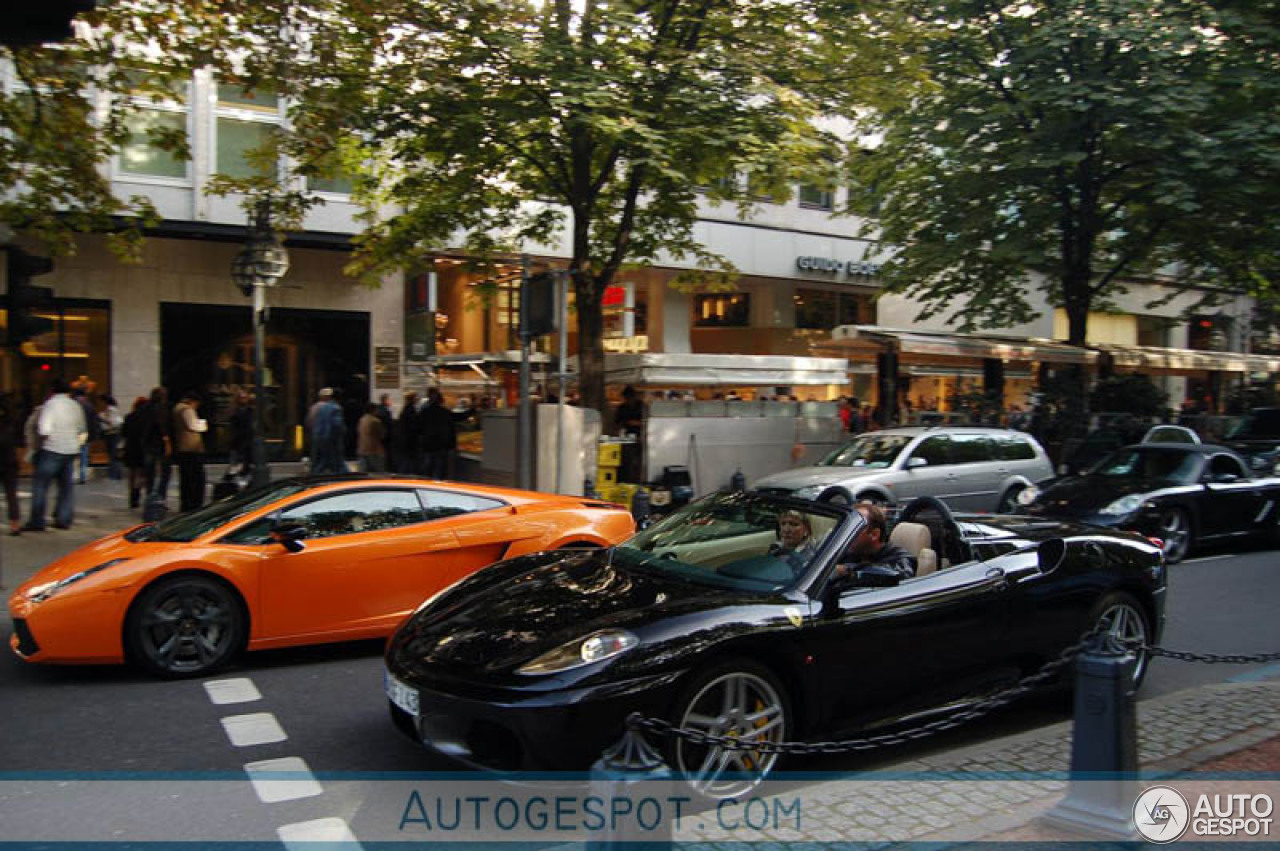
289	536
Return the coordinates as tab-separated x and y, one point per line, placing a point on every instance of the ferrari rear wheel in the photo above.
185	626
1122	622
736	700
1175	531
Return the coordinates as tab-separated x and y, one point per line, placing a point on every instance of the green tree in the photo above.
1069	145
493	126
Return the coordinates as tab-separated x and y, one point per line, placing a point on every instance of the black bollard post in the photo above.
1104	748
631	779
589	488
640	507
737	482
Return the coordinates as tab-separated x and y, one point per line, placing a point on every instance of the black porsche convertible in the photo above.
706	621
1182	494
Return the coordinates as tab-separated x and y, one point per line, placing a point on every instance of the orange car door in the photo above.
485	529
370	557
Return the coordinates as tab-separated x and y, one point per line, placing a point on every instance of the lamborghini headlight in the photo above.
1125	505
595	647
40	593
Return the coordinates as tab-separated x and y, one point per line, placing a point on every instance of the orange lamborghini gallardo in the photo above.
300	561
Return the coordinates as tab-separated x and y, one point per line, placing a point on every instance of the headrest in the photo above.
912	537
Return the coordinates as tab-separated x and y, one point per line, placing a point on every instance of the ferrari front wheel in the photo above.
740	701
184	626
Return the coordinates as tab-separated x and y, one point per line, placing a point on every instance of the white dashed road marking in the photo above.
238	690
297	782
258	728
295	836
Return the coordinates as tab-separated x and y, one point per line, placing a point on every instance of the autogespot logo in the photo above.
1161	814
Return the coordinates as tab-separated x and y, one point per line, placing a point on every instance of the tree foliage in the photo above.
590	127
1070	145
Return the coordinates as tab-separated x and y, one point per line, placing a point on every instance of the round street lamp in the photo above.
261	263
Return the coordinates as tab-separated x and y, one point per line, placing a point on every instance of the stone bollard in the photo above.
631	776
1104	748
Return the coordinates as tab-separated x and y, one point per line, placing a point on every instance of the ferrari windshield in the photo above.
193	524
869	450
739	540
1165	465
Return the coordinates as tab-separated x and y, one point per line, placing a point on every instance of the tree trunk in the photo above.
589	294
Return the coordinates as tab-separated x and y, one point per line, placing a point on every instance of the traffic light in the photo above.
22	299
538	305
41	23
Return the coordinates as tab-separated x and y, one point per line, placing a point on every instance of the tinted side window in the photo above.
935	449
1011	448
1225	465
445	504
971	449
341	514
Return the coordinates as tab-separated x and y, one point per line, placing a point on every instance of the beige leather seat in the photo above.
915	539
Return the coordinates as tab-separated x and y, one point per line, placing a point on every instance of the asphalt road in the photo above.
328	700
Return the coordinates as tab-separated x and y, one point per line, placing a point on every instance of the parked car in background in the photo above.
969	468
1180	493
1257	438
535	663
300	561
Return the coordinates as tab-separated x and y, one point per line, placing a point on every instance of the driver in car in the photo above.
872	547
795	543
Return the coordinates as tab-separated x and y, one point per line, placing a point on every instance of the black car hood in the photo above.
1089	494
520	609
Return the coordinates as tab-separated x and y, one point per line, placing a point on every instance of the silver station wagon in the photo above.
969	468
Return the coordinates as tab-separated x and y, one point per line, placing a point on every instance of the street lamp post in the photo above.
261	263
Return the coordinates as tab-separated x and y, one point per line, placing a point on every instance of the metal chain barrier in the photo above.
1024	686
1208	658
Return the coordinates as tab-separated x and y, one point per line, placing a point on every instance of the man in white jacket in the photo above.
62	429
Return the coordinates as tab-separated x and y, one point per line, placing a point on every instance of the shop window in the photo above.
816	198
722	310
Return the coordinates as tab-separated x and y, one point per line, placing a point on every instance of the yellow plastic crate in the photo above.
609	455
608	476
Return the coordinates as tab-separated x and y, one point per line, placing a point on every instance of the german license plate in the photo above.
400	694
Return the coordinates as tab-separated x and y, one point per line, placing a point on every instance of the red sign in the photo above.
615	296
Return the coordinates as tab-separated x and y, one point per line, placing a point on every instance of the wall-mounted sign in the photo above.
832	266
386	367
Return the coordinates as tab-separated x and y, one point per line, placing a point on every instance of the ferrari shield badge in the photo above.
794	615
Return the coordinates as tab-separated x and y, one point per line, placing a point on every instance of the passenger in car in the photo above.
872	547
795	543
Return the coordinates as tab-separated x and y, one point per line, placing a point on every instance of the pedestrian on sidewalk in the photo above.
10	437
328	434
388	418
240	461
188	451
110	422
157	445
437	436
135	435
63	430
81	395
369	441
406	453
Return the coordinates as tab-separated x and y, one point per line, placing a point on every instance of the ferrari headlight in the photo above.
597	646
1027	495
40	593
1125	504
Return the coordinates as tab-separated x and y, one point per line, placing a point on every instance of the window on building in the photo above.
722	310
1209	333
816	198
143	154
246	125
330	176
825	309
